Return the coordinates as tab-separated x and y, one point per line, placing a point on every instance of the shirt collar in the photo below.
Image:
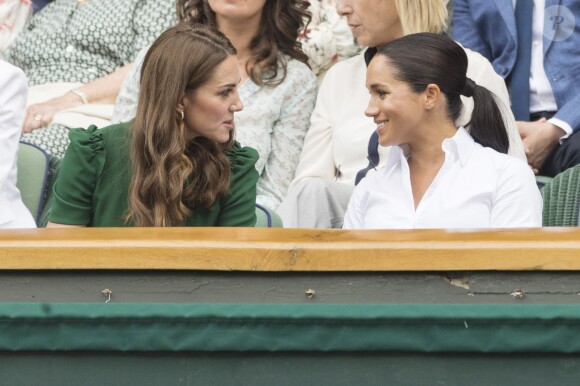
461	146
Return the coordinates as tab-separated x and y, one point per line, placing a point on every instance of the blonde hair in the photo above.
422	16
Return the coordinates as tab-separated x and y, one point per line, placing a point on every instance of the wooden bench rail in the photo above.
262	249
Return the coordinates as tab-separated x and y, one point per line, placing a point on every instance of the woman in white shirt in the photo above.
338	148
438	175
13	94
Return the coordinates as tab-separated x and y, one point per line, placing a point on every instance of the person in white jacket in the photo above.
13	94
338	149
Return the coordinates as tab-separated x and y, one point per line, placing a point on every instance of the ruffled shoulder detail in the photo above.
87	147
242	157
91	139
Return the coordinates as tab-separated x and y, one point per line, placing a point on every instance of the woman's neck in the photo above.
426	151
240	34
427	156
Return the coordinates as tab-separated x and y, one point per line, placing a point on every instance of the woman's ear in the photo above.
181	104
180	107
432	96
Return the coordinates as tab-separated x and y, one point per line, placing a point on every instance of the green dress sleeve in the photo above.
79	172
238	207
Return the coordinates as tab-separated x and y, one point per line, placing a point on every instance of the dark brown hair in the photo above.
171	176
427	58
280	26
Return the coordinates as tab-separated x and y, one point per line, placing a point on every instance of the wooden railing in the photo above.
252	249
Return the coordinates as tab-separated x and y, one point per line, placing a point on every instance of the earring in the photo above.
181	115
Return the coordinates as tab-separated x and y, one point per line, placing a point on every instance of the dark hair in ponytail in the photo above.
426	58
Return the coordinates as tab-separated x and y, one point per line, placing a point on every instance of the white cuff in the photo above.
562	125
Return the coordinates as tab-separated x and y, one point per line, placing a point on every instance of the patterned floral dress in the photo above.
72	42
327	38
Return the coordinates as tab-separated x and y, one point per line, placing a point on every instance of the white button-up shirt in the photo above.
476	187
13	94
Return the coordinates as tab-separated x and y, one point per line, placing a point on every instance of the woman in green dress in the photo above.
176	163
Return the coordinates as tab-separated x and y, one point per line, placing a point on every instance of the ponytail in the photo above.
487	126
424	58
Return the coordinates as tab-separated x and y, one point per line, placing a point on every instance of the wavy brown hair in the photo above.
277	37
172	176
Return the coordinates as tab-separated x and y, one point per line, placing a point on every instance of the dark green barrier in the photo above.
487	328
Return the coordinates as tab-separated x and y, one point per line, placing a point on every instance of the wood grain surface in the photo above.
262	249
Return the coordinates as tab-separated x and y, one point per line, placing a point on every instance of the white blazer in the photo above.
13	94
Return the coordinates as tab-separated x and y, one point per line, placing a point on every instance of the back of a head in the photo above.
428	58
422	15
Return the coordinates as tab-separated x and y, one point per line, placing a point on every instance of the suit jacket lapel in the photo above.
506	11
548	42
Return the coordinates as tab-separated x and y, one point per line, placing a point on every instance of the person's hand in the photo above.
41	114
540	138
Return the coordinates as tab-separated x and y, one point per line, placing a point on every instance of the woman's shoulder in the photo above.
95	141
242	155
298	66
299	72
506	167
243	163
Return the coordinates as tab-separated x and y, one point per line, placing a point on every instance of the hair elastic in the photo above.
468	88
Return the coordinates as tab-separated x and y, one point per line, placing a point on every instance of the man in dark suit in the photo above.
534	44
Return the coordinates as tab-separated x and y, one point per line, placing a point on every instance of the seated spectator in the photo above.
177	162
327	38
278	89
340	147
14	14
75	55
13	92
438	175
534	45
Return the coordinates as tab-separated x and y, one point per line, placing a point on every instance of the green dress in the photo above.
95	174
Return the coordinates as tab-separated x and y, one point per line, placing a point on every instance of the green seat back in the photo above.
562	199
267	218
32	177
37	172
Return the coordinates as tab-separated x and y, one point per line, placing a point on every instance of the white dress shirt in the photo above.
13	94
476	187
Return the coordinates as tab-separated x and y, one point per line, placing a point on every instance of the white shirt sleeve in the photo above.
354	216
13	96
518	202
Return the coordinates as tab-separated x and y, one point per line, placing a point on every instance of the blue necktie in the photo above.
520	76
373	157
